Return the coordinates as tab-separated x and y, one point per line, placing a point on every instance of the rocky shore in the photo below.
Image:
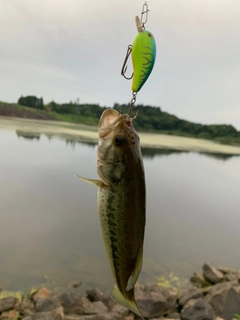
214	295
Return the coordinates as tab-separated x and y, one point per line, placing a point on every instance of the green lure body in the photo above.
143	58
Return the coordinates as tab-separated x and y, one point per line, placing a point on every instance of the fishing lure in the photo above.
143	52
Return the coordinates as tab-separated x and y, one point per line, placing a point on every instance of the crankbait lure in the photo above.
143	52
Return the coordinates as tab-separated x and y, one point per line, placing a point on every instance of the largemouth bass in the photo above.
121	202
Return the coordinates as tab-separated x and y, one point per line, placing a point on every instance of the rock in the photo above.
206	290
124	312
224	270
223	285
17	294
212	274
131	316
96	307
27	318
232	303
174	315
231	277
26	308
163	318
74	303
97	295
8	303
102	316
171	296
192	293
108	302
238	275
218	294
72	317
41	293
151	304
77	284
150	288
54	315
10	315
197	309
47	304
198	280
94	295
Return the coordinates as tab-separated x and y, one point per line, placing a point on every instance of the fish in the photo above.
121	202
143	56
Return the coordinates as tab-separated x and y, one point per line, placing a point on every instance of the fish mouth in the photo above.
110	118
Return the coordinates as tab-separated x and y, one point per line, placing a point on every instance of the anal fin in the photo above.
135	274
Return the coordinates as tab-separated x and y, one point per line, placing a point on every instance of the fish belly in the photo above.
122	222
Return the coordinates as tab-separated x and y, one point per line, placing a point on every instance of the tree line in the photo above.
148	118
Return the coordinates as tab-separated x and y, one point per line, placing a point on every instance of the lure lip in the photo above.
138	24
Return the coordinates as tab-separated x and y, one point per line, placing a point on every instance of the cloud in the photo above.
70	48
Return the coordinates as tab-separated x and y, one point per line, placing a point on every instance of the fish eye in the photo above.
119	140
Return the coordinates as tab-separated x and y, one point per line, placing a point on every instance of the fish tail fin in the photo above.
118	297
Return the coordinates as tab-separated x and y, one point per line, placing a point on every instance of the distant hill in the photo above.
154	119
149	118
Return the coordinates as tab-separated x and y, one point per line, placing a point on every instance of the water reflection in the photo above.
49	224
146	152
219	156
73	143
153	152
27	135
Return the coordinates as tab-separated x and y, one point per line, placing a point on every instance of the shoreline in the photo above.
214	295
86	133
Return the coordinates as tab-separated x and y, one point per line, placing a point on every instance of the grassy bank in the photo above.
15	110
87	133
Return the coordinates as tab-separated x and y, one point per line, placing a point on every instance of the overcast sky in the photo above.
68	49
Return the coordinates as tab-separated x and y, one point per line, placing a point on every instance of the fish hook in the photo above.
124	67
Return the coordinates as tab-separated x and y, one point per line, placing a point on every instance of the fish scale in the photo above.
112	214
121	202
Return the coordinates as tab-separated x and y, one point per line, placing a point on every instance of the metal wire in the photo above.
144	15
133	100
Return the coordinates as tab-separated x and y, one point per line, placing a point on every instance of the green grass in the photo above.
75	118
172	281
72	118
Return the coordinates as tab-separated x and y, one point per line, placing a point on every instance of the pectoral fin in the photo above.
135	274
97	183
118	297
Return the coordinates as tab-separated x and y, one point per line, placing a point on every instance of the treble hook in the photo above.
124	67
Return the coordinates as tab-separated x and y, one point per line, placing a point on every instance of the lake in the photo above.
49	228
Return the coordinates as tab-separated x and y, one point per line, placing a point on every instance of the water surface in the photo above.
49	228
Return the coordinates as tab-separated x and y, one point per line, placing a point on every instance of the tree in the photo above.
31	101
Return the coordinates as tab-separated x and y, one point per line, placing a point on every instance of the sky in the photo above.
62	50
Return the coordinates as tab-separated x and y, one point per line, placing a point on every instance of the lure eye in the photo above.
150	35
119	140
